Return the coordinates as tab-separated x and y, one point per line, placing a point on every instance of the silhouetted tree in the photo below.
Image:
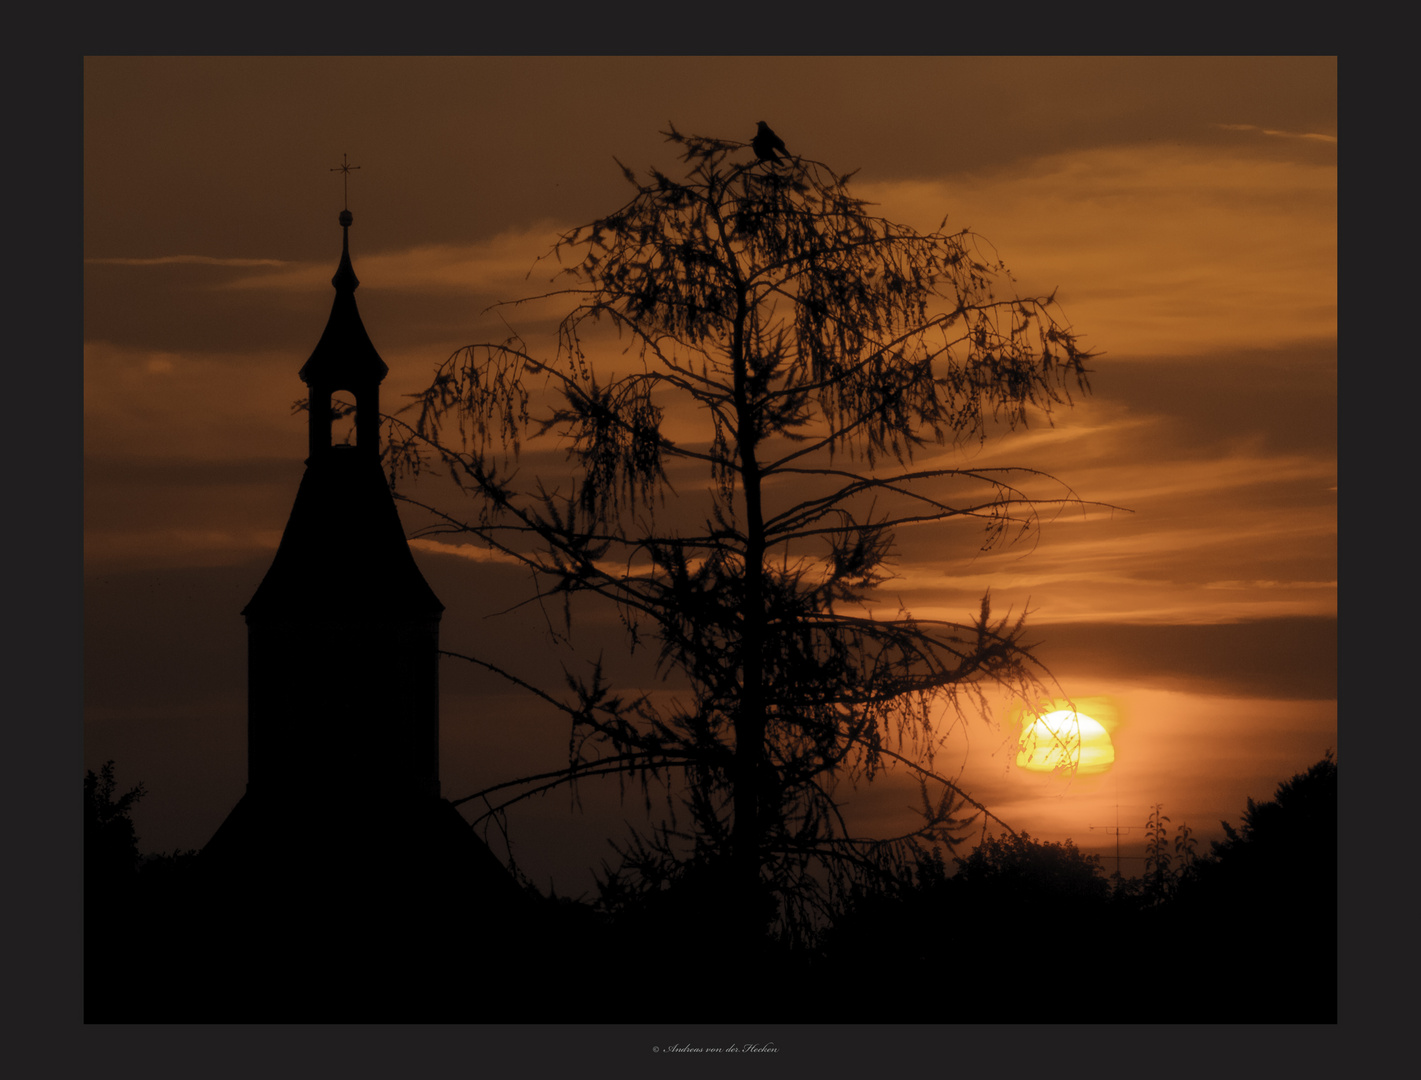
1184	858
1285	851
785	354
1157	856
1261	910
1015	915
111	862
1298	825
1030	870
110	842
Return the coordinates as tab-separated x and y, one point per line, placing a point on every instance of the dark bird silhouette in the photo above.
766	142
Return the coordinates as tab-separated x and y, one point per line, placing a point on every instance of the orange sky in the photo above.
1186	208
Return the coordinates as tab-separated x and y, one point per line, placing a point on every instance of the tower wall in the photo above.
342	865
342	644
341	709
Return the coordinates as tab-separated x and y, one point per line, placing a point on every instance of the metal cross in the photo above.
344	169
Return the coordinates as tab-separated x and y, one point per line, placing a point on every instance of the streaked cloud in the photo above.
1278	134
505	266
187	260
472	552
1157	249
176	547
156	402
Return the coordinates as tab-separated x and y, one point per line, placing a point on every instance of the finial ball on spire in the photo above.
346	217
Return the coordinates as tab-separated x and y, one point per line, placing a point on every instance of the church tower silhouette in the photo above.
343	631
342	832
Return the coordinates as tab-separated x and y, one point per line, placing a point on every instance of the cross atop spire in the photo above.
344	168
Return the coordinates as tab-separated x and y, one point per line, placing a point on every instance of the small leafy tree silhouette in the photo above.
1184	845
1157	856
110	842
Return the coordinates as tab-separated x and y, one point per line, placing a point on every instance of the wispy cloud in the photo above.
503	265
1157	249
187	260
472	552
1279	134
136	546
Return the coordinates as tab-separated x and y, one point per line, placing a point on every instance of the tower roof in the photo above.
343	556
345	356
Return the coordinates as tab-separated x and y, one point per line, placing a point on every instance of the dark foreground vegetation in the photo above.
1016	931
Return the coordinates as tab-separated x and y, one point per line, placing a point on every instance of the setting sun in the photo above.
1065	741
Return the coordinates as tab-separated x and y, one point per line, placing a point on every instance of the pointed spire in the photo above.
345	279
344	358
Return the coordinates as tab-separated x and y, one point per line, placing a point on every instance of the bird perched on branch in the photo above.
766	142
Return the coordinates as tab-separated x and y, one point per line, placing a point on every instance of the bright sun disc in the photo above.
1065	741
